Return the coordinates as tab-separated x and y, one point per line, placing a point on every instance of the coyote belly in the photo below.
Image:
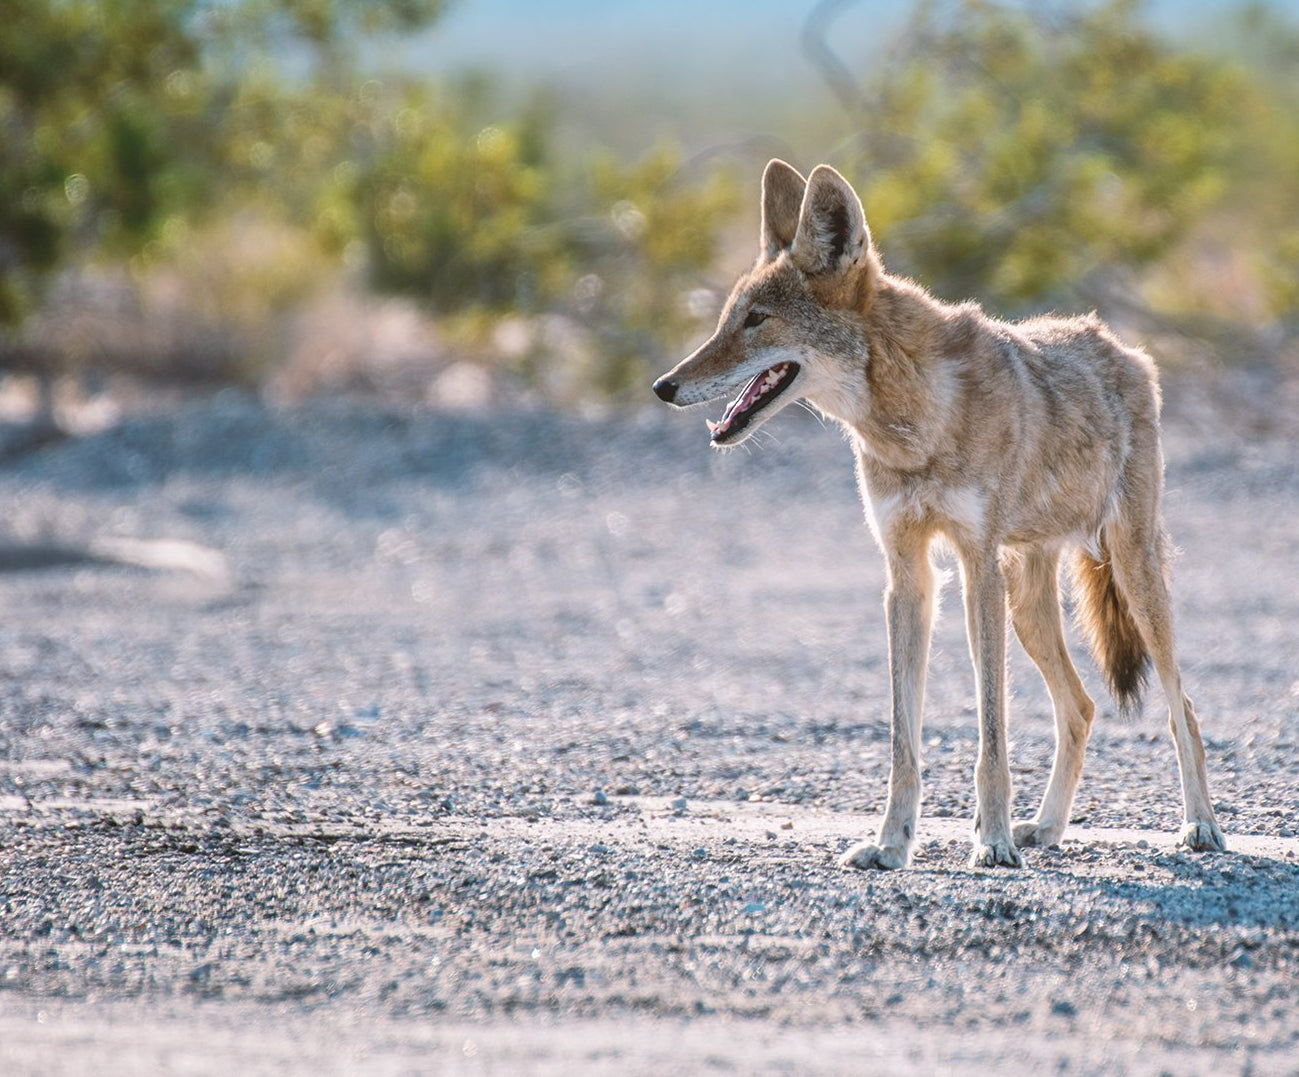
1015	443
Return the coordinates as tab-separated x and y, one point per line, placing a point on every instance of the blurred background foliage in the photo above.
225	191
1041	159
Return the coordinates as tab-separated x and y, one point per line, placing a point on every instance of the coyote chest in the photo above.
923	504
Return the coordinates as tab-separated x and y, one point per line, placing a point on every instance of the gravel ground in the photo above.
468	743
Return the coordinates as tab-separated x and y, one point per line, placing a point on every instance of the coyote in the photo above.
1010	442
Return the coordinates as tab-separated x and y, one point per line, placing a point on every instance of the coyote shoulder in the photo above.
1015	443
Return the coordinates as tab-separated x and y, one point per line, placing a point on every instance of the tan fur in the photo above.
1011	442
1115	639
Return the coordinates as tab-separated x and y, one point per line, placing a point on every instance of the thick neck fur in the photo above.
911	384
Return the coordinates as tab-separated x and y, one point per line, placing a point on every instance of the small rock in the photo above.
753	908
1063	1008
678	805
600	797
788	824
699	854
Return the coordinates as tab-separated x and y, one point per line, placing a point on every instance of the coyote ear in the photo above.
782	195
832	233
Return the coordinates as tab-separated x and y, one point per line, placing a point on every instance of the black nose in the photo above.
666	390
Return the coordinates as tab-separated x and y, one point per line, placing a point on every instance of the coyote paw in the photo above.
1035	833
869	857
1203	838
991	854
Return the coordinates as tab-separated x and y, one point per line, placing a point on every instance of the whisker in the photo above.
812	411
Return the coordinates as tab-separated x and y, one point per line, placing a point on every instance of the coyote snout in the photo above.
1014	443
734	362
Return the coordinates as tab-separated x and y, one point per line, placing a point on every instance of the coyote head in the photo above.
793	326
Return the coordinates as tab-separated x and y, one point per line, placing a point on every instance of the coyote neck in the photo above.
912	383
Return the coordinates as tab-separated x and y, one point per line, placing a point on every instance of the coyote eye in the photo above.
755	319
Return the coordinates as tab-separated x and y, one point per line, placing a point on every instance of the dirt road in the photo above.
455	743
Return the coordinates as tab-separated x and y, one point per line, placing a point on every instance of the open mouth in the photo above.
759	393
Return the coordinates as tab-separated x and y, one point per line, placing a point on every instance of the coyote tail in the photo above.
1104	616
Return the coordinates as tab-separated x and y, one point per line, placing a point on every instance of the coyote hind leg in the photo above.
1137	555
1033	585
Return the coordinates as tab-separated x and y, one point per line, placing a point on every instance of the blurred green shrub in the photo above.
1261	216
644	257
1019	154
451	207
482	220
128	129
171	134
249	153
89	93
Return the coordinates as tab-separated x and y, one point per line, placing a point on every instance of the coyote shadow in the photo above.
1220	890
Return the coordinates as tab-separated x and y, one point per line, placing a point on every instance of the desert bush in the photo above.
240	158
643	259
480	218
144	131
87	104
1019	155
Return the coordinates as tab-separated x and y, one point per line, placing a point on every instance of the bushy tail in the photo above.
1103	614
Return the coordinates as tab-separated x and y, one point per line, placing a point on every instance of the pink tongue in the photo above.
746	399
749	396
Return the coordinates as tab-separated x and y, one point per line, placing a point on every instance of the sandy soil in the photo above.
353	740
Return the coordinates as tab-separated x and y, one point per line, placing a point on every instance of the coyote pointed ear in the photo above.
782	196
832	233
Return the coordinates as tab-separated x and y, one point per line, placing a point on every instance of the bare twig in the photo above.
817	49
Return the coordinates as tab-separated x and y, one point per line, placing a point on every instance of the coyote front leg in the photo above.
908	607
985	609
